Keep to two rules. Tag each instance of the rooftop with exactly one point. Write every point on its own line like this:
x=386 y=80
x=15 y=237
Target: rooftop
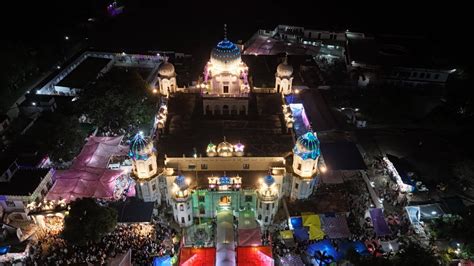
x=23 y=182
x=86 y=72
x=249 y=178
x=392 y=51
x=262 y=135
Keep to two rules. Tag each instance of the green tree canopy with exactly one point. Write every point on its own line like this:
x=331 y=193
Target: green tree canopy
x=58 y=135
x=118 y=100
x=415 y=255
x=88 y=221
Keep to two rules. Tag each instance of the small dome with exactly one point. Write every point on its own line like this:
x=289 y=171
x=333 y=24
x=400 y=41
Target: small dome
x=211 y=150
x=269 y=180
x=307 y=146
x=138 y=147
x=225 y=149
x=180 y=181
x=284 y=70
x=225 y=52
x=166 y=69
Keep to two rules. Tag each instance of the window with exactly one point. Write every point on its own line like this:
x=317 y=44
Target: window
x=296 y=185
x=203 y=166
x=422 y=75
x=181 y=207
x=150 y=167
x=273 y=205
x=428 y=75
x=189 y=217
x=226 y=88
x=182 y=220
x=248 y=198
x=260 y=217
x=299 y=167
x=191 y=166
x=414 y=74
x=188 y=206
x=201 y=198
x=260 y=204
x=176 y=206
x=267 y=206
x=202 y=210
x=10 y=203
x=153 y=187
x=246 y=166
x=266 y=219
x=436 y=76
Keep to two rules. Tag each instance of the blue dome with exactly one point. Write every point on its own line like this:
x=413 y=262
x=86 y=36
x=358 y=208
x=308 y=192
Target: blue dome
x=180 y=181
x=225 y=51
x=269 y=180
x=224 y=180
x=307 y=146
x=137 y=147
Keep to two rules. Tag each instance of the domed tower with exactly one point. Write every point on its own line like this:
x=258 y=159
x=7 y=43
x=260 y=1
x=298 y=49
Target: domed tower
x=267 y=200
x=284 y=78
x=211 y=150
x=225 y=149
x=144 y=167
x=181 y=201
x=305 y=165
x=167 y=78
x=239 y=149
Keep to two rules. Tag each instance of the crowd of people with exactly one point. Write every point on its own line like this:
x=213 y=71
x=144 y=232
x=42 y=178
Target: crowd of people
x=144 y=240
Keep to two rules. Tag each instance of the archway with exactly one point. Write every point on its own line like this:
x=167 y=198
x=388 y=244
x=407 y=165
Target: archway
x=225 y=110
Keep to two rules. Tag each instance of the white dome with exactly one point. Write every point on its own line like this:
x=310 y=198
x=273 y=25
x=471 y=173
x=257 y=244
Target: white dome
x=225 y=149
x=284 y=70
x=166 y=70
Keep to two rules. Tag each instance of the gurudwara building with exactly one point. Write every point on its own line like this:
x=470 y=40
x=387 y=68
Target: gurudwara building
x=225 y=177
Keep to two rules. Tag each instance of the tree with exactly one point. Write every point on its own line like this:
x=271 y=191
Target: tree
x=464 y=170
x=58 y=135
x=87 y=221
x=415 y=255
x=118 y=100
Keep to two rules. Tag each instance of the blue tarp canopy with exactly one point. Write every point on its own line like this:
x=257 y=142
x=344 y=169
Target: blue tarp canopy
x=301 y=233
x=380 y=225
x=4 y=250
x=296 y=222
x=162 y=261
x=323 y=247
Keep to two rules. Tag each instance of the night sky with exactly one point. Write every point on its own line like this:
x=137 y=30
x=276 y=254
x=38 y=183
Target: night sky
x=195 y=26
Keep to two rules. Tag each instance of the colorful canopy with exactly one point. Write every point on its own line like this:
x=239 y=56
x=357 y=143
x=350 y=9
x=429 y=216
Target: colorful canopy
x=286 y=234
x=380 y=225
x=197 y=257
x=325 y=248
x=313 y=223
x=255 y=256
x=89 y=176
x=162 y=261
x=336 y=227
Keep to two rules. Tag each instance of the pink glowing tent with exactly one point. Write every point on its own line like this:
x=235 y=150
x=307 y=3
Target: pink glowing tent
x=88 y=176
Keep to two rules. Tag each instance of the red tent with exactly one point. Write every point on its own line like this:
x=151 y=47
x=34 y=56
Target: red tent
x=255 y=256
x=197 y=256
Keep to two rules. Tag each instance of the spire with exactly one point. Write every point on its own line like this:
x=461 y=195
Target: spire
x=285 y=61
x=225 y=31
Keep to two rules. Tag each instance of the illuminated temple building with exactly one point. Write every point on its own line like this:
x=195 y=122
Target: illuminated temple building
x=244 y=161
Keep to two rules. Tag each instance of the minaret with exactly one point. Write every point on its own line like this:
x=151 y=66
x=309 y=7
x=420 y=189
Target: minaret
x=305 y=165
x=167 y=78
x=181 y=201
x=267 y=200
x=144 y=168
x=284 y=78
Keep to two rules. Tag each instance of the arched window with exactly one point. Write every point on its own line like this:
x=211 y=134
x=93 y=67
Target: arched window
x=225 y=110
